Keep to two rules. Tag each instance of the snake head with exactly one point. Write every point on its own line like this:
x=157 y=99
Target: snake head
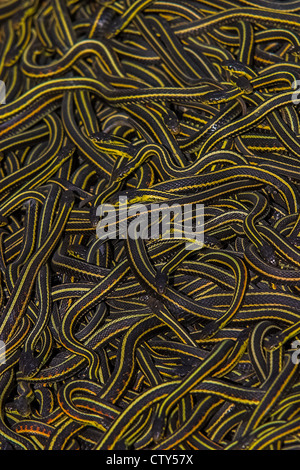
x=115 y=27
x=231 y=65
x=268 y=254
x=209 y=331
x=158 y=428
x=271 y=343
x=121 y=172
x=172 y=122
x=28 y=364
x=161 y=281
x=243 y=84
x=98 y=137
x=295 y=50
x=154 y=303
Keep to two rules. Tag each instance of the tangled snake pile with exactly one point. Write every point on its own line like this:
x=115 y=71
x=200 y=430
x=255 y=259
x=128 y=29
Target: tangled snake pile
x=139 y=343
